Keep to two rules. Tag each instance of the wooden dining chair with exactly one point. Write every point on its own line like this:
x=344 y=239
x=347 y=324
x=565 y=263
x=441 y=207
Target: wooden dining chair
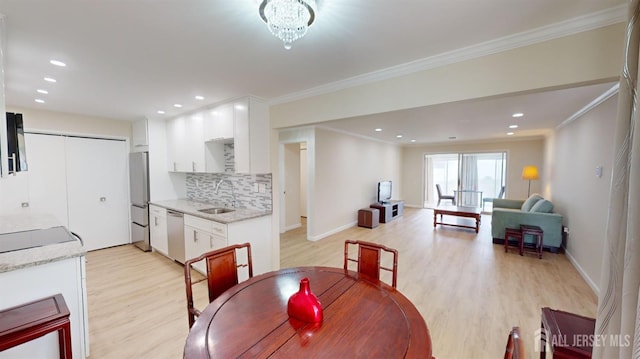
x=221 y=273
x=441 y=196
x=515 y=347
x=369 y=259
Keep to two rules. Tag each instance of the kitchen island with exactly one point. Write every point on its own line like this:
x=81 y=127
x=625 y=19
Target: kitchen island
x=39 y=259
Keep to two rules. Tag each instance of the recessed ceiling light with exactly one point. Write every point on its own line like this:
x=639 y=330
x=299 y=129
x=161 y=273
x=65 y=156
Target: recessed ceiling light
x=513 y=126
x=42 y=91
x=49 y=79
x=199 y=97
x=413 y=140
x=239 y=107
x=509 y=133
x=378 y=129
x=398 y=136
x=160 y=112
x=517 y=114
x=177 y=105
x=57 y=63
x=39 y=100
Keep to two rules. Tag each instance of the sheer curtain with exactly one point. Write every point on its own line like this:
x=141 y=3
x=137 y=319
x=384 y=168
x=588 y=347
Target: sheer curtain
x=618 y=319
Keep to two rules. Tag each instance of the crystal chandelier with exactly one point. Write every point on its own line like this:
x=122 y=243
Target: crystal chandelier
x=288 y=20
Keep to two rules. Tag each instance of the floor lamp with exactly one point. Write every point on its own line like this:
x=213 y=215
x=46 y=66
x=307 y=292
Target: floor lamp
x=529 y=173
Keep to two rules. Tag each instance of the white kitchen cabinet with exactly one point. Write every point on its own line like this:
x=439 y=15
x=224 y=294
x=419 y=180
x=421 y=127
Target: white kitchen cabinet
x=201 y=236
x=98 y=191
x=158 y=229
x=139 y=135
x=185 y=143
x=248 y=119
x=256 y=231
x=218 y=123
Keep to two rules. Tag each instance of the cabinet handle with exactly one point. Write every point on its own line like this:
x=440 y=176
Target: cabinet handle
x=174 y=166
x=195 y=235
x=155 y=221
x=211 y=241
x=193 y=166
x=103 y=199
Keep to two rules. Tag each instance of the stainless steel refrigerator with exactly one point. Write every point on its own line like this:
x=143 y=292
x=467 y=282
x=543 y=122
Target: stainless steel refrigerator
x=139 y=192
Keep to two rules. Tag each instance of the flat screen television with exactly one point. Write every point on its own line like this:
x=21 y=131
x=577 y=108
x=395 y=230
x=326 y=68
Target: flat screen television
x=384 y=191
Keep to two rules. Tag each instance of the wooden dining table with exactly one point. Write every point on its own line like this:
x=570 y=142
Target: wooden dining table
x=363 y=318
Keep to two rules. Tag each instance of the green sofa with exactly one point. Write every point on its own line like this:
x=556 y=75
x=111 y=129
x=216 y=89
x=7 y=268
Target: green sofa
x=535 y=211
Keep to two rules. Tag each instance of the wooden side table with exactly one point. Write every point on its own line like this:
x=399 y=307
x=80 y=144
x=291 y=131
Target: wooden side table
x=569 y=335
x=32 y=320
x=537 y=233
x=512 y=233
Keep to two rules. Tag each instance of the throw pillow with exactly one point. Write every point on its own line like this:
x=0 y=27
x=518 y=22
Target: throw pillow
x=542 y=206
x=526 y=206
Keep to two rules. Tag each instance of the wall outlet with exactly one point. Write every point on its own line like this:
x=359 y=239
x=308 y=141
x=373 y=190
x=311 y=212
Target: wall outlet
x=565 y=229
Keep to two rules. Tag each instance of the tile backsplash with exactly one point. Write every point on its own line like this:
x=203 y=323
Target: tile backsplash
x=202 y=187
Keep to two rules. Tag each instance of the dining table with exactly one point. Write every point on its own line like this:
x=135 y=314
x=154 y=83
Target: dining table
x=362 y=318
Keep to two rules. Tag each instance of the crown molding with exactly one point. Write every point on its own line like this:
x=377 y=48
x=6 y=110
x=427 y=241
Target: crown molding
x=591 y=105
x=568 y=27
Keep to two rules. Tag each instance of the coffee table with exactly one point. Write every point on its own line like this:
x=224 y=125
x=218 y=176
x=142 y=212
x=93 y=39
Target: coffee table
x=457 y=211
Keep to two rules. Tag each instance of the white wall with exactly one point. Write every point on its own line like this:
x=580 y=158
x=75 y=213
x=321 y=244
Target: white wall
x=347 y=170
x=575 y=151
x=519 y=153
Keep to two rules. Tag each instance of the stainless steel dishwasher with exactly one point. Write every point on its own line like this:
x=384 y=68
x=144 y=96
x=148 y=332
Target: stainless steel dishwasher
x=175 y=232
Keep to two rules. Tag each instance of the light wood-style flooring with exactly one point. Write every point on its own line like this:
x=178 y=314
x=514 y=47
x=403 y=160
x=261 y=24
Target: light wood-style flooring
x=469 y=291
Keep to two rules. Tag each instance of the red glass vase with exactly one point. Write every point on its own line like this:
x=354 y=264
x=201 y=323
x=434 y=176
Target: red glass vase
x=304 y=305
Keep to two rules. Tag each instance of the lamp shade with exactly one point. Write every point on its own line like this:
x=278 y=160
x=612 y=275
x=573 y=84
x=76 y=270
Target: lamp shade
x=530 y=173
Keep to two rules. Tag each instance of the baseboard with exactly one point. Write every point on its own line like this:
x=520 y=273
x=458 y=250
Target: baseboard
x=584 y=275
x=333 y=231
x=297 y=225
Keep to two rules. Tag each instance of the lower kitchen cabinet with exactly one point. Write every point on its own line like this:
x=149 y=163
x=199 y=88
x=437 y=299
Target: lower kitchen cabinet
x=158 y=229
x=202 y=235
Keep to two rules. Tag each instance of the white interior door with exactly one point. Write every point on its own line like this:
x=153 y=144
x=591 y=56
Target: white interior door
x=47 y=175
x=98 y=191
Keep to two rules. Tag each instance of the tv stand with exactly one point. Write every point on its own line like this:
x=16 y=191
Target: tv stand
x=389 y=210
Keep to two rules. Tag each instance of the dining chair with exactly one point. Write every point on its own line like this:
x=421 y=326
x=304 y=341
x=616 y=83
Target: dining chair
x=490 y=199
x=441 y=196
x=369 y=259
x=222 y=267
x=515 y=347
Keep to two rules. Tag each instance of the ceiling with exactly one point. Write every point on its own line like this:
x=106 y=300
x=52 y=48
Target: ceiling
x=127 y=59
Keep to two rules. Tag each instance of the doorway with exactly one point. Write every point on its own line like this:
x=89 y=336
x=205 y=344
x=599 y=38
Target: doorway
x=469 y=177
x=294 y=186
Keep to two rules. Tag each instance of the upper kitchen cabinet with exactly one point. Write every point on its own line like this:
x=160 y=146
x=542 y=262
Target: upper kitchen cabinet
x=139 y=135
x=237 y=137
x=185 y=143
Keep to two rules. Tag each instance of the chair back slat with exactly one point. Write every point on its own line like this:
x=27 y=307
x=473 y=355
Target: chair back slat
x=369 y=259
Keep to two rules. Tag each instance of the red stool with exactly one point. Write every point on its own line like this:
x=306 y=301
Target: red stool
x=29 y=321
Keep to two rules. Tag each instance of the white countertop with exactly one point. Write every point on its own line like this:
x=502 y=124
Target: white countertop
x=191 y=207
x=33 y=256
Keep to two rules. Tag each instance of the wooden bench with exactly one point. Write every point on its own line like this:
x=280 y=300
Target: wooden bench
x=29 y=321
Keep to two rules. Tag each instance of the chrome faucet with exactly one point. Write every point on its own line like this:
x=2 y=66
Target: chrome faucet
x=233 y=192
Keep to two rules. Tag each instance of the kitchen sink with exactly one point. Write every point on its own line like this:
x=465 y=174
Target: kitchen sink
x=216 y=210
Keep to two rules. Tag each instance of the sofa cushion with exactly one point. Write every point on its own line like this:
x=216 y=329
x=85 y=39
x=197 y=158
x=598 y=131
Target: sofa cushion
x=526 y=206
x=542 y=206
